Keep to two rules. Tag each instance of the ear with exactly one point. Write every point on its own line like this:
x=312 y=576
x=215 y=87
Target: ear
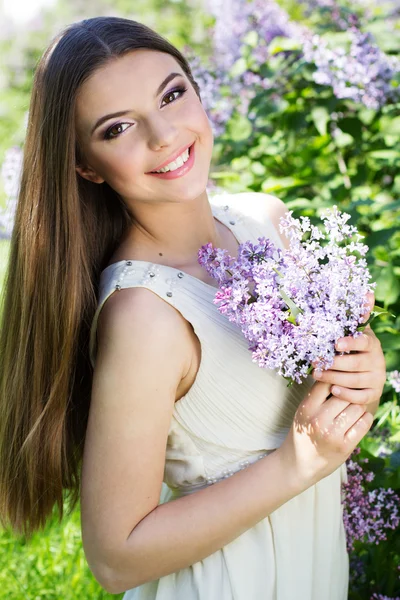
x=88 y=173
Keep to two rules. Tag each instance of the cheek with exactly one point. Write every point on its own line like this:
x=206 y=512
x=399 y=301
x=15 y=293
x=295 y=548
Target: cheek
x=123 y=161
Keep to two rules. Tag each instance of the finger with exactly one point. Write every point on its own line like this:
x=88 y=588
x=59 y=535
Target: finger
x=358 y=430
x=360 y=343
x=322 y=419
x=345 y=379
x=314 y=399
x=354 y=396
x=347 y=417
x=359 y=362
x=328 y=412
x=370 y=302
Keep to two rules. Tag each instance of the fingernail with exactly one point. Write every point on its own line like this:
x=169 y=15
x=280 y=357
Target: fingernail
x=335 y=391
x=341 y=346
x=317 y=374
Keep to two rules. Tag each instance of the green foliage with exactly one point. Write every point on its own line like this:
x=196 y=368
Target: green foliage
x=50 y=566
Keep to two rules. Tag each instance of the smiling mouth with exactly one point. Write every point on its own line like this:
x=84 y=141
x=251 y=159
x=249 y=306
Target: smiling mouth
x=160 y=172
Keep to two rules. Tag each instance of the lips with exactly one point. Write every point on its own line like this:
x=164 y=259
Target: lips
x=171 y=158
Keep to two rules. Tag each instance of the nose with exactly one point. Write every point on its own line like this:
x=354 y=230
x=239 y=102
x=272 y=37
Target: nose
x=162 y=132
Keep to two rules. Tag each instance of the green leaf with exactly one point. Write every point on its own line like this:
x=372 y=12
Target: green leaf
x=395 y=437
x=295 y=310
x=343 y=139
x=391 y=156
x=239 y=67
x=258 y=168
x=390 y=126
x=274 y=183
x=320 y=117
x=251 y=39
x=299 y=204
x=387 y=286
x=392 y=359
x=239 y=128
x=376 y=312
x=389 y=341
x=224 y=174
x=381 y=237
x=281 y=44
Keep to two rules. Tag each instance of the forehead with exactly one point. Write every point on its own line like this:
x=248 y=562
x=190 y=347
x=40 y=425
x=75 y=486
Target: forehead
x=137 y=74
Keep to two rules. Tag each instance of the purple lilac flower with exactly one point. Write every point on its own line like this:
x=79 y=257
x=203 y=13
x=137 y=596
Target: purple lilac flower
x=394 y=379
x=364 y=74
x=293 y=304
x=357 y=571
x=381 y=597
x=367 y=515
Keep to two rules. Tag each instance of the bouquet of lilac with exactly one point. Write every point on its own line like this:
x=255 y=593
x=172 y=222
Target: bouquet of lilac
x=293 y=304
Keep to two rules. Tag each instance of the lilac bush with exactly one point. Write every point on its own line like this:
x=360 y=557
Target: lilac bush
x=367 y=515
x=293 y=304
x=363 y=74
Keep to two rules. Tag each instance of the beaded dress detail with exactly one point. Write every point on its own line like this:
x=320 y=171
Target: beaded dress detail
x=234 y=414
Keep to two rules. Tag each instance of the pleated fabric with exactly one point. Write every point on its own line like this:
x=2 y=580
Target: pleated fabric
x=234 y=414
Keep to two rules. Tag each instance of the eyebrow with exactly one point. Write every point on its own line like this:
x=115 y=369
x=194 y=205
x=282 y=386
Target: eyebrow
x=122 y=113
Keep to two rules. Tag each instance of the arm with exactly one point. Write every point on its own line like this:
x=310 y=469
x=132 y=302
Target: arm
x=128 y=539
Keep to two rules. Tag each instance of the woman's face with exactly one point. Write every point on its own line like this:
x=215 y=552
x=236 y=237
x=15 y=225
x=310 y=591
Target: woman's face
x=127 y=126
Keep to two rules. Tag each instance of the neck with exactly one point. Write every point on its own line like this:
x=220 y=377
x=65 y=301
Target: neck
x=172 y=232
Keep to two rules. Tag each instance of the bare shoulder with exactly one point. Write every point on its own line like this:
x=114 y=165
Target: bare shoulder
x=139 y=311
x=272 y=208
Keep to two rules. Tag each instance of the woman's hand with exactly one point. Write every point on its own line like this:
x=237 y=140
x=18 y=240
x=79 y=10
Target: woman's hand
x=324 y=432
x=357 y=378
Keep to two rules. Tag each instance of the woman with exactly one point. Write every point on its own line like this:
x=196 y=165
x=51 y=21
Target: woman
x=112 y=211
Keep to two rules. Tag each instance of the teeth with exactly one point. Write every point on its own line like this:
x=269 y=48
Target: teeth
x=178 y=162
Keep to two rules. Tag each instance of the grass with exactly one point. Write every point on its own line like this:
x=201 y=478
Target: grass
x=51 y=566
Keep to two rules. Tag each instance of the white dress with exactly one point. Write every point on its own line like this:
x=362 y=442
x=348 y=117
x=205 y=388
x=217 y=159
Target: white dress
x=237 y=412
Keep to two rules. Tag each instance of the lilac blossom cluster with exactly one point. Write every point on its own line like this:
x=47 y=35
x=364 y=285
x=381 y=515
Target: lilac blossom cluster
x=364 y=74
x=293 y=304
x=235 y=19
x=394 y=380
x=367 y=515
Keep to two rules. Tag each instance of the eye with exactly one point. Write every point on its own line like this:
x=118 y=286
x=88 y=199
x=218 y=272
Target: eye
x=115 y=130
x=180 y=91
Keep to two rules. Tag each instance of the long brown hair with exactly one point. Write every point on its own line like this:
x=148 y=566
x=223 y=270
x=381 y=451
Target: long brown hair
x=66 y=229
